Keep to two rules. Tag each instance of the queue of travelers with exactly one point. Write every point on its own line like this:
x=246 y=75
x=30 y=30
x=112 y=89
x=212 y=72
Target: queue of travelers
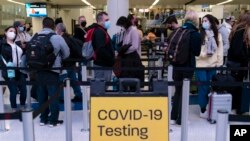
x=208 y=44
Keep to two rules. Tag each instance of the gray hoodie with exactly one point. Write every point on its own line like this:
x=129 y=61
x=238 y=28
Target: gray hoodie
x=60 y=47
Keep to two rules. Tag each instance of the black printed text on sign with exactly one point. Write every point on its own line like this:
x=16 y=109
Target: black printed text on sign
x=129 y=119
x=239 y=132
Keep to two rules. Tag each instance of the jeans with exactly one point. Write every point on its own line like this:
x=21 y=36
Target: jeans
x=46 y=91
x=14 y=88
x=203 y=90
x=103 y=74
x=71 y=74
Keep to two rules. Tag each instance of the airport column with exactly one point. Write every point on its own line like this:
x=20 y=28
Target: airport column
x=116 y=8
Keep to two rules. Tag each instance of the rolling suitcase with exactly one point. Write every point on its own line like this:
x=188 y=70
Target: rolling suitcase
x=216 y=102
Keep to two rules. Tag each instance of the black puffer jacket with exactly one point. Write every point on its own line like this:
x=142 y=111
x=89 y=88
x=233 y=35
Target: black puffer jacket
x=5 y=52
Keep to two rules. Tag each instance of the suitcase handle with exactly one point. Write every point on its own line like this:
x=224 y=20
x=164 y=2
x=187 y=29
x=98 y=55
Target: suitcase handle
x=126 y=83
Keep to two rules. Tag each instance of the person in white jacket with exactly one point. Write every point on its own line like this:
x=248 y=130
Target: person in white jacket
x=211 y=56
x=225 y=30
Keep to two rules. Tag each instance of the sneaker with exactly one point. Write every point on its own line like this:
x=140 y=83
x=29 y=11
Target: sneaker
x=54 y=124
x=172 y=122
x=204 y=115
x=22 y=107
x=43 y=123
x=77 y=99
x=14 y=110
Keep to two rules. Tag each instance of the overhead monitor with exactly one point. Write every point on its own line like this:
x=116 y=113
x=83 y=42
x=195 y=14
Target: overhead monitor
x=36 y=9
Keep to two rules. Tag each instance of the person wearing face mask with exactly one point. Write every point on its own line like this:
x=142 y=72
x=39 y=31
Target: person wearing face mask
x=171 y=23
x=22 y=36
x=11 y=57
x=211 y=56
x=134 y=20
x=130 y=50
x=28 y=27
x=225 y=29
x=81 y=30
x=61 y=30
x=102 y=45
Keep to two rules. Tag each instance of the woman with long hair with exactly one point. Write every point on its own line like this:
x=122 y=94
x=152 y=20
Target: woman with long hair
x=239 y=54
x=211 y=56
x=11 y=57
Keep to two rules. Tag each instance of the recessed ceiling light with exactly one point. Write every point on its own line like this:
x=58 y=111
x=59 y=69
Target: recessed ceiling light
x=224 y=2
x=16 y=2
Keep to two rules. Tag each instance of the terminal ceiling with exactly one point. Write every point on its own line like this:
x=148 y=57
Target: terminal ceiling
x=133 y=3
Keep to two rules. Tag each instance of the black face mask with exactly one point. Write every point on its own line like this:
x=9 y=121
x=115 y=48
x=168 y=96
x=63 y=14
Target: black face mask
x=83 y=23
x=171 y=28
x=28 y=29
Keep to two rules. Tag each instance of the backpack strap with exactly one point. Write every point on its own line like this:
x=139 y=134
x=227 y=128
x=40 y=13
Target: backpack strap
x=174 y=36
x=177 y=46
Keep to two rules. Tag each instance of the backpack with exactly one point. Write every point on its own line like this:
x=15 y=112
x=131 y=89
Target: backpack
x=40 y=52
x=75 y=48
x=178 y=51
x=88 y=51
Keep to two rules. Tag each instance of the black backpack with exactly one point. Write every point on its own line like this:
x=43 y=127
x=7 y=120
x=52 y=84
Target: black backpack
x=40 y=52
x=75 y=48
x=178 y=51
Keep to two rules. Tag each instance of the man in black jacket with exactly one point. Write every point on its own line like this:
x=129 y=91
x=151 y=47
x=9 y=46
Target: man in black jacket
x=102 y=45
x=61 y=30
x=80 y=31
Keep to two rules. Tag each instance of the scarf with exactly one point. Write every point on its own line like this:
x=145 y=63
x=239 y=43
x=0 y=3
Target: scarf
x=210 y=43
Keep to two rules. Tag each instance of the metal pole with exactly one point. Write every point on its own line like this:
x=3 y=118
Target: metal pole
x=222 y=125
x=170 y=91
x=28 y=126
x=67 y=108
x=85 y=101
x=2 y=122
x=185 y=109
x=28 y=100
x=160 y=64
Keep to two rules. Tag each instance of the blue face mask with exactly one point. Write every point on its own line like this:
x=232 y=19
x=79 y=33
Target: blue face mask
x=107 y=24
x=206 y=25
x=21 y=29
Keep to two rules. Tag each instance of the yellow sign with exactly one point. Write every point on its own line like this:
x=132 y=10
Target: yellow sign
x=129 y=119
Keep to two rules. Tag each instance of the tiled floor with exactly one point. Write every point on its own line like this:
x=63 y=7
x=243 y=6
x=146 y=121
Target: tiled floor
x=199 y=129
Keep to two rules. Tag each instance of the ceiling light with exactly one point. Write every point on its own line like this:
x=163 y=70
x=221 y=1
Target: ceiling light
x=87 y=3
x=16 y=2
x=227 y=1
x=155 y=2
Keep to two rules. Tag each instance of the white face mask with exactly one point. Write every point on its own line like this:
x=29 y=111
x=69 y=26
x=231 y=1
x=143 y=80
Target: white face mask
x=11 y=35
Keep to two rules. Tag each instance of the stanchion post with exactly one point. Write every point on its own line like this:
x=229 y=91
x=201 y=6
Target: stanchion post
x=2 y=122
x=85 y=101
x=67 y=108
x=160 y=64
x=185 y=109
x=28 y=126
x=170 y=90
x=222 y=125
x=28 y=100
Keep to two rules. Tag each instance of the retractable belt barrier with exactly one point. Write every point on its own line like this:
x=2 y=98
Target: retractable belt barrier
x=17 y=115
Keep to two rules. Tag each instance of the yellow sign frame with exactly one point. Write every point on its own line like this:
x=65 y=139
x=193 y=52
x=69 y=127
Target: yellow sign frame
x=129 y=118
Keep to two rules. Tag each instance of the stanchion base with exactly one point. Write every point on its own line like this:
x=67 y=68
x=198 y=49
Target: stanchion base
x=84 y=130
x=4 y=130
x=170 y=130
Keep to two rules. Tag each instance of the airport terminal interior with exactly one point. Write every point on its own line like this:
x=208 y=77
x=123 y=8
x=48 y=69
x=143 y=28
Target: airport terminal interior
x=151 y=16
